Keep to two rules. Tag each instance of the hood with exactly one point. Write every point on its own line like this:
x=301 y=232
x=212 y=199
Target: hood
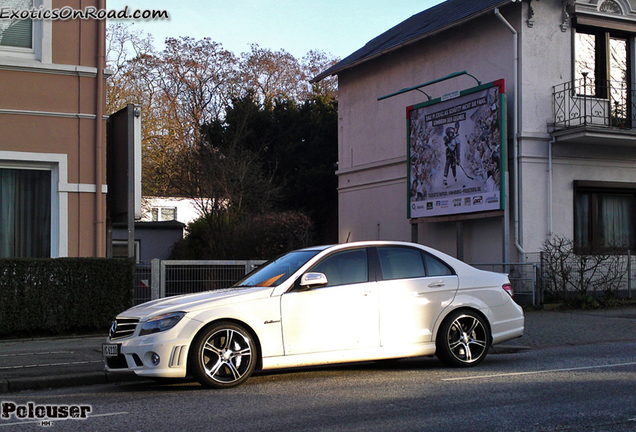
x=198 y=301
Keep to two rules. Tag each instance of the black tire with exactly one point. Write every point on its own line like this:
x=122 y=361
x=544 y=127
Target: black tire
x=463 y=339
x=223 y=356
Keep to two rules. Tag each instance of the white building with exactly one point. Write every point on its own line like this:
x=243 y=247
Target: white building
x=161 y=209
x=568 y=151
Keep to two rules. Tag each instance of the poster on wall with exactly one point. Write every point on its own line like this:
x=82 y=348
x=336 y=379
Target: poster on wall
x=455 y=153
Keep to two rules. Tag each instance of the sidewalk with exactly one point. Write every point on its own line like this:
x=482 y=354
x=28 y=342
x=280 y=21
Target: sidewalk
x=29 y=364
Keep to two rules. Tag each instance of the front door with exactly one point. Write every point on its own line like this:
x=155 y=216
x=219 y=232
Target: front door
x=340 y=316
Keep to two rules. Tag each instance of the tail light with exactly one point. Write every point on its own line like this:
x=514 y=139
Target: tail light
x=508 y=288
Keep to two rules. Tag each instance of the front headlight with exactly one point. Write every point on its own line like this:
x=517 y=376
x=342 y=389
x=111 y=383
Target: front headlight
x=161 y=323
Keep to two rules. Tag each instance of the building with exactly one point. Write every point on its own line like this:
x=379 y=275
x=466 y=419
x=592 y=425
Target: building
x=565 y=165
x=153 y=240
x=161 y=227
x=157 y=209
x=52 y=118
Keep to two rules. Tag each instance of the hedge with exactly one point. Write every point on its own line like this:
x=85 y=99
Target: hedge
x=63 y=295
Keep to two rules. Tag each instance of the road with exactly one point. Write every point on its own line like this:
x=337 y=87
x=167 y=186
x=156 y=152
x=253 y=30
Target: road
x=589 y=388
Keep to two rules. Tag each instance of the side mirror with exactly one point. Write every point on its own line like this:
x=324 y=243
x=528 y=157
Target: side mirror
x=312 y=280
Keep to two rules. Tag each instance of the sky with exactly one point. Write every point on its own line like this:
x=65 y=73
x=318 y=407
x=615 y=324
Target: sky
x=336 y=27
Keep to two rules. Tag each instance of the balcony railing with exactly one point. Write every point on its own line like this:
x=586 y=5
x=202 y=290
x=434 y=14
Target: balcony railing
x=608 y=104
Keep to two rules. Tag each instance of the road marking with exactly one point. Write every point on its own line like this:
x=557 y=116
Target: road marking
x=2 y=424
x=37 y=353
x=50 y=364
x=538 y=372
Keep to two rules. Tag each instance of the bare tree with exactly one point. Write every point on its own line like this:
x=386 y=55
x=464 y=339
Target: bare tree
x=274 y=75
x=313 y=64
x=270 y=74
x=189 y=84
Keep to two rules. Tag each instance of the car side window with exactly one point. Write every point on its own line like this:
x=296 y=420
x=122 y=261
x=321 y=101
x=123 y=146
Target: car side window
x=435 y=267
x=401 y=263
x=346 y=267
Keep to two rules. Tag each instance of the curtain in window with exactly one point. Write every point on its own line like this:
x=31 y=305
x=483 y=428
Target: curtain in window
x=616 y=221
x=25 y=213
x=582 y=230
x=18 y=33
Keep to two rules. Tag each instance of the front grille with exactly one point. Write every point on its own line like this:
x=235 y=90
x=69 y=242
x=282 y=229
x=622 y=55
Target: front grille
x=123 y=327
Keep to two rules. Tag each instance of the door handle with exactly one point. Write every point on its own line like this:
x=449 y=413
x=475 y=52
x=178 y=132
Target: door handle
x=436 y=284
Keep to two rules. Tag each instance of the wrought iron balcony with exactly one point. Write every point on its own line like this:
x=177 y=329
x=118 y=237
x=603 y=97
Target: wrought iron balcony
x=585 y=104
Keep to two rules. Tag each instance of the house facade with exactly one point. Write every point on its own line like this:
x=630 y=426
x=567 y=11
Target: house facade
x=52 y=149
x=560 y=148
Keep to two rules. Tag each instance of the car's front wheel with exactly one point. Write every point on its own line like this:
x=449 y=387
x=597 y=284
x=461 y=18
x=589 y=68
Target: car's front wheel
x=463 y=339
x=223 y=356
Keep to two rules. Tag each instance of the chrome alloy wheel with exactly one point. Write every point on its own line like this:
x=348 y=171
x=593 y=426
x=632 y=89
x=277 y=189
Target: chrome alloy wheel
x=463 y=339
x=467 y=339
x=223 y=356
x=227 y=356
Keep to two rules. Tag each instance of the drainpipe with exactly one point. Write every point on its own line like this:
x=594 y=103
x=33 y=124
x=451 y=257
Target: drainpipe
x=550 y=208
x=99 y=133
x=515 y=131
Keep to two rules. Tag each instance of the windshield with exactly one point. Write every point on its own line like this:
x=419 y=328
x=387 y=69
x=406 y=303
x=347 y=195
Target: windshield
x=277 y=271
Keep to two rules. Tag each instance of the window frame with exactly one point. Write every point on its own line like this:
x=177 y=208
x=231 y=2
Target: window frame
x=160 y=214
x=596 y=190
x=58 y=165
x=51 y=198
x=41 y=41
x=370 y=267
x=374 y=258
x=602 y=57
x=381 y=271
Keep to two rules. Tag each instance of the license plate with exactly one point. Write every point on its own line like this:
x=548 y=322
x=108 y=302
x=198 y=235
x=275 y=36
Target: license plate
x=110 y=350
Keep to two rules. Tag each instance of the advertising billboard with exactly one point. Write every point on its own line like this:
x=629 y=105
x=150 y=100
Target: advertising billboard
x=456 y=147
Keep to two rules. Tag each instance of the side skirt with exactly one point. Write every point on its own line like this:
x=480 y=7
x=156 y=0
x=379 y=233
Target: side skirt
x=334 y=357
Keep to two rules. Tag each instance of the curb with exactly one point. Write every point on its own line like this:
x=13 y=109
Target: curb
x=73 y=380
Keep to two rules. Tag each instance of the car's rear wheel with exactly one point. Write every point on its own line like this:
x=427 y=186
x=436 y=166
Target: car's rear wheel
x=463 y=339
x=223 y=356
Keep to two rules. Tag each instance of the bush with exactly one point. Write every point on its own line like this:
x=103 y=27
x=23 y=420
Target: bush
x=55 y=296
x=255 y=237
x=580 y=278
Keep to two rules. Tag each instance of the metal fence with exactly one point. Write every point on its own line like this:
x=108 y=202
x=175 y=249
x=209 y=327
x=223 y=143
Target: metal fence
x=163 y=278
x=531 y=281
x=524 y=279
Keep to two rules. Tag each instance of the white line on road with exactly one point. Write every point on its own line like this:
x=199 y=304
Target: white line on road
x=51 y=364
x=36 y=353
x=538 y=372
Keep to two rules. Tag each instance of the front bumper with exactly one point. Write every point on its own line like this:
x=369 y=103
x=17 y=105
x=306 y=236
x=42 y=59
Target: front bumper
x=159 y=355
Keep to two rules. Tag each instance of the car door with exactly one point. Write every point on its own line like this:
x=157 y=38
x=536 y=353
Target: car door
x=414 y=288
x=342 y=315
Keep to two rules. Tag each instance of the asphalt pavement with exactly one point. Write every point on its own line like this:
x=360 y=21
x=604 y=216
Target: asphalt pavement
x=38 y=363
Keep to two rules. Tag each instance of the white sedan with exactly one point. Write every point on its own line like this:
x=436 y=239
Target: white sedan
x=321 y=305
